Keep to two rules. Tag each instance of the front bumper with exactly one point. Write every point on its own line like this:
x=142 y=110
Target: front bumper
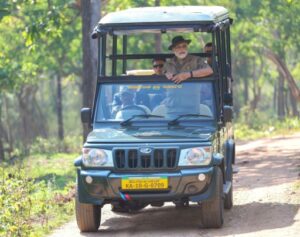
x=106 y=186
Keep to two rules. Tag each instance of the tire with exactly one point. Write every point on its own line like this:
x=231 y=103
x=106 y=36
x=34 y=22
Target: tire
x=213 y=210
x=228 y=201
x=88 y=216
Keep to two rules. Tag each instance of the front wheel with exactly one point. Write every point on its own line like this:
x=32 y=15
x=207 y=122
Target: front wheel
x=88 y=216
x=228 y=202
x=212 y=210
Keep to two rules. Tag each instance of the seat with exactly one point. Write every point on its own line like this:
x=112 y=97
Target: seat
x=145 y=108
x=126 y=114
x=205 y=110
x=161 y=110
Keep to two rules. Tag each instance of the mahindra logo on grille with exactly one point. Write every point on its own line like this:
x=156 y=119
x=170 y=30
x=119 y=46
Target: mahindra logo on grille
x=146 y=150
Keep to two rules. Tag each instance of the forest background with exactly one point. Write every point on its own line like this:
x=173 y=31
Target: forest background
x=43 y=83
x=46 y=77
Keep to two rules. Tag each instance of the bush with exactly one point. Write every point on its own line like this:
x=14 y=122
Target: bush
x=53 y=145
x=257 y=128
x=15 y=203
x=29 y=207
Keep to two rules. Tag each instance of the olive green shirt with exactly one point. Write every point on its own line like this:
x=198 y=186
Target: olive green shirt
x=187 y=99
x=189 y=63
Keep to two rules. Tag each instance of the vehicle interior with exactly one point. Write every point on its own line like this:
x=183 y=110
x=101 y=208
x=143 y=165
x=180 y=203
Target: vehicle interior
x=145 y=95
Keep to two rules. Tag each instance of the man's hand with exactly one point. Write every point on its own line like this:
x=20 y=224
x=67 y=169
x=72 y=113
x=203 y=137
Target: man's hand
x=180 y=77
x=169 y=75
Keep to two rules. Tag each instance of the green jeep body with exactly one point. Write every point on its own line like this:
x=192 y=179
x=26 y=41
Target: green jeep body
x=145 y=155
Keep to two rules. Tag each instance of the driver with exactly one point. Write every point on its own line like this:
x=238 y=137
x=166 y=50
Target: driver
x=127 y=108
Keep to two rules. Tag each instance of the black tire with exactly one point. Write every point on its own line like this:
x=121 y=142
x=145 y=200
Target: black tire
x=88 y=216
x=228 y=201
x=213 y=210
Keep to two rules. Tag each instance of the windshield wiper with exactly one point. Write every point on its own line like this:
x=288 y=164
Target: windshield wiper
x=175 y=121
x=128 y=121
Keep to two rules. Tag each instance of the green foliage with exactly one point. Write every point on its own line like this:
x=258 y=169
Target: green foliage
x=15 y=203
x=36 y=195
x=40 y=41
x=53 y=145
x=258 y=128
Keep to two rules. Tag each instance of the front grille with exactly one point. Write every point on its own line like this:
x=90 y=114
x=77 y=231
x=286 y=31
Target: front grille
x=164 y=158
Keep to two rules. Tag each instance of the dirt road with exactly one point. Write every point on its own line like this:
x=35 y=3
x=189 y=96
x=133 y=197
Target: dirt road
x=266 y=200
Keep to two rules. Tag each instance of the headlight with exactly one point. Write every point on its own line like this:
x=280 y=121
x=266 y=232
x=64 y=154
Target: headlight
x=195 y=156
x=97 y=157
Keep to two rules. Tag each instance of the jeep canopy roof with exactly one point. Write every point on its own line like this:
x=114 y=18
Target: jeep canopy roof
x=154 y=19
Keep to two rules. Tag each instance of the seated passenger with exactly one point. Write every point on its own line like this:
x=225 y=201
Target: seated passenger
x=158 y=64
x=208 y=49
x=152 y=97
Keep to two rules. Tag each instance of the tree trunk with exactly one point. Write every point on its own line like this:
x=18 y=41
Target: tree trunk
x=32 y=122
x=282 y=68
x=246 y=90
x=295 y=111
x=280 y=98
x=9 y=134
x=256 y=87
x=59 y=110
x=275 y=97
x=2 y=154
x=90 y=11
x=286 y=103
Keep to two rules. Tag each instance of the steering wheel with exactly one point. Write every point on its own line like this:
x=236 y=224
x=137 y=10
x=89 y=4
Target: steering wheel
x=134 y=107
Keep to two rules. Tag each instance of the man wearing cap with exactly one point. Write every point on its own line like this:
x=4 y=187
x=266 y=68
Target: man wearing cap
x=183 y=65
x=178 y=69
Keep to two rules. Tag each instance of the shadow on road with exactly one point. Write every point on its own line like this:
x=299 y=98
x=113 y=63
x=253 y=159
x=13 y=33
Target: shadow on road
x=171 y=221
x=265 y=166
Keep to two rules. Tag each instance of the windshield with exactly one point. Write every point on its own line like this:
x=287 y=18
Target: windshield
x=166 y=101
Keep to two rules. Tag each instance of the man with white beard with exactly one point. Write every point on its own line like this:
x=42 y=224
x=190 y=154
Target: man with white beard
x=178 y=69
x=183 y=65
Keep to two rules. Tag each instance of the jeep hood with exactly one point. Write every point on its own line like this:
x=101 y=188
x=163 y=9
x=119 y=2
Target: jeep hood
x=150 y=134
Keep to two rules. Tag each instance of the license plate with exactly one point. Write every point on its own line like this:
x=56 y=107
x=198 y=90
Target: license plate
x=144 y=183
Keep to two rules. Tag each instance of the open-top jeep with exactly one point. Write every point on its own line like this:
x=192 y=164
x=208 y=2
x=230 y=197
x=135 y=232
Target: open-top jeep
x=140 y=154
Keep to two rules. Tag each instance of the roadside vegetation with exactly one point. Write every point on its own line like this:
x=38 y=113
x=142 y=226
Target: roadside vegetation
x=259 y=129
x=36 y=192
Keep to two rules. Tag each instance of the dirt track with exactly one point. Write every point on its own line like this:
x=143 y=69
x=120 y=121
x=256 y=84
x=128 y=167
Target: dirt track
x=266 y=200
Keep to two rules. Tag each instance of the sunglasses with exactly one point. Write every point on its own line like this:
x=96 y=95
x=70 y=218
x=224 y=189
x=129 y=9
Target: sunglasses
x=158 y=65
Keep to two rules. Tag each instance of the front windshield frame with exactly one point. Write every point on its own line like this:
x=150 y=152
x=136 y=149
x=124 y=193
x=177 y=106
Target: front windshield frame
x=138 y=80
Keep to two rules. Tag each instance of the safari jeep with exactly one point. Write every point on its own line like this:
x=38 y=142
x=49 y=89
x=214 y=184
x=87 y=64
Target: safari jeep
x=140 y=154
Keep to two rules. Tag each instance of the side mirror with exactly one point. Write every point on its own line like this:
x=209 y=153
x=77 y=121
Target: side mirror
x=228 y=113
x=228 y=99
x=86 y=114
